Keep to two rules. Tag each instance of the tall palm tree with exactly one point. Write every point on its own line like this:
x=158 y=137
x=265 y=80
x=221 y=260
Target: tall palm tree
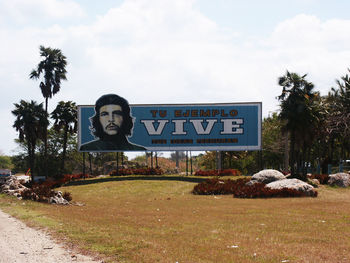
x=65 y=116
x=31 y=122
x=52 y=69
x=299 y=115
x=338 y=102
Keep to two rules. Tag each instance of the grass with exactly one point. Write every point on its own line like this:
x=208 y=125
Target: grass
x=157 y=219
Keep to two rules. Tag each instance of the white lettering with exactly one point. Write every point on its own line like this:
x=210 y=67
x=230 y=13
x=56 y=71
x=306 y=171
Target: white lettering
x=197 y=124
x=150 y=126
x=179 y=127
x=232 y=126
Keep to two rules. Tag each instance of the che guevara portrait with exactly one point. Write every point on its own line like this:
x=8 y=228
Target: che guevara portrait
x=111 y=126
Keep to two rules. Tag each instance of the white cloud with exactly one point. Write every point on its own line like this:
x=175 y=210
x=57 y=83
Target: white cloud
x=24 y=11
x=168 y=52
x=305 y=44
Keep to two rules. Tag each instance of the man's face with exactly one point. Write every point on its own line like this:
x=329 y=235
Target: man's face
x=111 y=118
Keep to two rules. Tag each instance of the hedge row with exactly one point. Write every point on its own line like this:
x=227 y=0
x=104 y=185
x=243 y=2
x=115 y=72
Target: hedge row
x=225 y=172
x=137 y=171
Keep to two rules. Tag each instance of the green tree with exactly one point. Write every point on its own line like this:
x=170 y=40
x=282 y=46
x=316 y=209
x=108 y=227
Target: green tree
x=336 y=130
x=273 y=142
x=31 y=122
x=65 y=116
x=52 y=69
x=299 y=116
x=5 y=162
x=343 y=118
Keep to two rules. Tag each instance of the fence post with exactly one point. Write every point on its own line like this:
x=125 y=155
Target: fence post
x=329 y=169
x=318 y=169
x=340 y=166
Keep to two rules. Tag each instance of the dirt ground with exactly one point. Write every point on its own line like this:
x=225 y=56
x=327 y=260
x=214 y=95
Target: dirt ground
x=22 y=244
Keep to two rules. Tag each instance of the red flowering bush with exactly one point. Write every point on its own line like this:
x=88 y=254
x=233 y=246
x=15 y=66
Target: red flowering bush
x=137 y=171
x=322 y=178
x=38 y=192
x=67 y=196
x=259 y=190
x=239 y=189
x=225 y=172
x=216 y=186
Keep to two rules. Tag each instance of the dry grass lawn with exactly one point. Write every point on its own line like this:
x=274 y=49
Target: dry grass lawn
x=138 y=219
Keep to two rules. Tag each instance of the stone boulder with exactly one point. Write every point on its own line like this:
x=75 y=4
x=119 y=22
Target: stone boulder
x=339 y=179
x=314 y=182
x=266 y=176
x=10 y=185
x=294 y=184
x=58 y=199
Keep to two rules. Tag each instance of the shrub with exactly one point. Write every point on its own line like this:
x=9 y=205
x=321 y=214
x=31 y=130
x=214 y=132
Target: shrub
x=239 y=189
x=137 y=171
x=225 y=172
x=216 y=186
x=38 y=192
x=67 y=196
x=28 y=194
x=322 y=178
x=258 y=190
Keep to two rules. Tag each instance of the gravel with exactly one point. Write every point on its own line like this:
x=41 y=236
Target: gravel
x=22 y=244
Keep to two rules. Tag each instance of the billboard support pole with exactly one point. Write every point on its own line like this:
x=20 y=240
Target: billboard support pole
x=117 y=163
x=156 y=155
x=186 y=163
x=218 y=160
x=152 y=160
x=191 y=162
x=84 y=163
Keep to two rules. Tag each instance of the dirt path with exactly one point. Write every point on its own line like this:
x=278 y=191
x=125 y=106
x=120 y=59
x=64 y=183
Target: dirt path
x=22 y=244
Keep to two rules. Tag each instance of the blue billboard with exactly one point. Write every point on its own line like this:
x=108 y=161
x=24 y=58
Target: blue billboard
x=112 y=125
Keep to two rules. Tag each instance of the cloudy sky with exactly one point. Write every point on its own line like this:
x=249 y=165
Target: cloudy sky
x=166 y=51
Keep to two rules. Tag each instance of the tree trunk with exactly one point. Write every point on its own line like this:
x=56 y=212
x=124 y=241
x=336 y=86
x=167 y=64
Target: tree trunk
x=304 y=163
x=292 y=153
x=65 y=138
x=90 y=163
x=45 y=141
x=286 y=152
x=30 y=160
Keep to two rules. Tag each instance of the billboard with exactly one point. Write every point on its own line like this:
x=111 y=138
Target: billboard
x=112 y=125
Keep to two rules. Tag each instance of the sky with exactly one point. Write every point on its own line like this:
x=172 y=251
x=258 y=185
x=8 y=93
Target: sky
x=166 y=51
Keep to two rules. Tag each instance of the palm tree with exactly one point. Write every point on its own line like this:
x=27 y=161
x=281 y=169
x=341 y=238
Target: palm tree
x=31 y=122
x=299 y=115
x=53 y=69
x=65 y=116
x=338 y=119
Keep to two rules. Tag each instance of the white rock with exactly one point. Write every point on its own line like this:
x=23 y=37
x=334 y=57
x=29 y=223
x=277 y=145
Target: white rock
x=58 y=200
x=339 y=179
x=267 y=176
x=295 y=184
